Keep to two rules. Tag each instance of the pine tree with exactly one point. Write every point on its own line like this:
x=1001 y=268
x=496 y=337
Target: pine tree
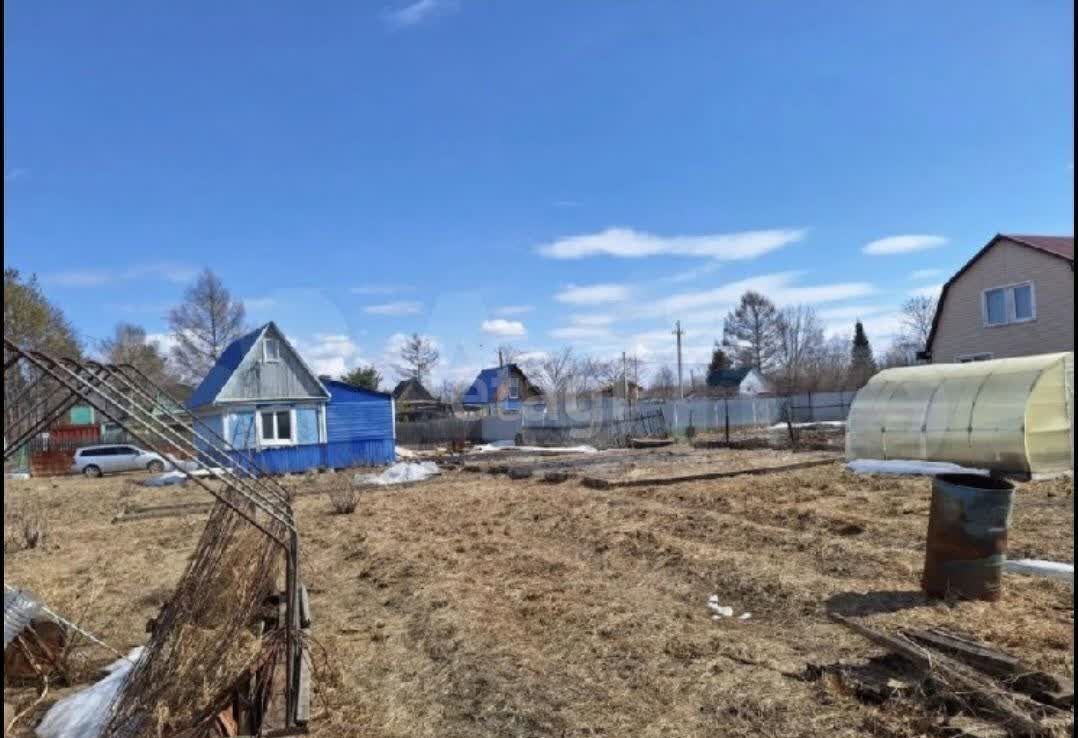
x=719 y=362
x=862 y=362
x=753 y=330
x=363 y=376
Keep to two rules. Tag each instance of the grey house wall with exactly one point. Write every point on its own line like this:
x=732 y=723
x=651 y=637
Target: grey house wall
x=256 y=379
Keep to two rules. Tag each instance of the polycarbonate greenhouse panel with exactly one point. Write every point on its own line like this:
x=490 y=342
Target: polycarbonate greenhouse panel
x=1008 y=415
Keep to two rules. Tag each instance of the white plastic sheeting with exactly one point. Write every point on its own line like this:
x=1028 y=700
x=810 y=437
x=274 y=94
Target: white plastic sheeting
x=905 y=466
x=1040 y=568
x=1007 y=415
x=85 y=713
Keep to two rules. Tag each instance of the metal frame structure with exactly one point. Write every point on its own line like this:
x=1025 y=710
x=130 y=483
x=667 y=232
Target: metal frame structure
x=48 y=387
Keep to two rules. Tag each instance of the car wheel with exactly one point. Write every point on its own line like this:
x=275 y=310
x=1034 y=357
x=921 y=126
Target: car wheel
x=155 y=466
x=92 y=471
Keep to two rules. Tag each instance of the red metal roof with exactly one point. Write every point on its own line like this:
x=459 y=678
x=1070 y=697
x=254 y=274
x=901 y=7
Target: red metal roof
x=1058 y=245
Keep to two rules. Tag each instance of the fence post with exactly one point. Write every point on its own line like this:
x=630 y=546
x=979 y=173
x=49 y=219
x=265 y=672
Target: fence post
x=726 y=414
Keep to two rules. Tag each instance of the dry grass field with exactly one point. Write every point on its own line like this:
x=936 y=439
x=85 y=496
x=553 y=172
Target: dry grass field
x=472 y=605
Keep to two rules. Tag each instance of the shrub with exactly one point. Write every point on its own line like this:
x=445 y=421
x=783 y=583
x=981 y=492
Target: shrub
x=25 y=527
x=344 y=500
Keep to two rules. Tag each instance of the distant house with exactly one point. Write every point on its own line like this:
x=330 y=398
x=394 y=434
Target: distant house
x=414 y=402
x=618 y=389
x=265 y=401
x=501 y=389
x=1015 y=297
x=729 y=382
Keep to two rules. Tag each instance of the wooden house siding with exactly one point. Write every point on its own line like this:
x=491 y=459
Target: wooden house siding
x=257 y=379
x=961 y=329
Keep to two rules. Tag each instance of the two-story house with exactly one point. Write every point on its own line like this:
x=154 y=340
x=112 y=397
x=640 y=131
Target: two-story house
x=1015 y=297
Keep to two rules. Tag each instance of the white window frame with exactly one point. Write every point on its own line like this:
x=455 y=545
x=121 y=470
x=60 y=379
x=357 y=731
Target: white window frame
x=265 y=351
x=515 y=387
x=979 y=356
x=1009 y=316
x=275 y=441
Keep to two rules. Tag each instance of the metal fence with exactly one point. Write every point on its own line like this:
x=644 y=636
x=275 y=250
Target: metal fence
x=602 y=433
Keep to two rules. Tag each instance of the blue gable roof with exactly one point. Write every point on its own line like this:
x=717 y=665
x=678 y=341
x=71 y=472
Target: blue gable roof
x=484 y=390
x=229 y=361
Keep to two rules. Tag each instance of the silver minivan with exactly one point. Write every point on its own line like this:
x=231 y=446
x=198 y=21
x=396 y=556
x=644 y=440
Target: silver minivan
x=93 y=461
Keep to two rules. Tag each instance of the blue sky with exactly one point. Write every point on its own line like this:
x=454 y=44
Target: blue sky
x=535 y=173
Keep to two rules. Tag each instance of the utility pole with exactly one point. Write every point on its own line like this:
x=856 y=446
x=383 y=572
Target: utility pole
x=680 y=388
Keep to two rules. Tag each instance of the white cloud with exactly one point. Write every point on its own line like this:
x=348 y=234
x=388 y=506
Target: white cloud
x=168 y=271
x=514 y=309
x=691 y=274
x=577 y=332
x=377 y=289
x=417 y=12
x=165 y=341
x=256 y=304
x=595 y=294
x=922 y=274
x=592 y=319
x=630 y=244
x=903 y=244
x=851 y=312
x=880 y=328
x=507 y=328
x=403 y=307
x=779 y=287
x=332 y=354
x=932 y=290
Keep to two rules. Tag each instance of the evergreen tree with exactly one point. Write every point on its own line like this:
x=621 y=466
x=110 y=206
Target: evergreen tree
x=719 y=362
x=363 y=376
x=753 y=330
x=862 y=362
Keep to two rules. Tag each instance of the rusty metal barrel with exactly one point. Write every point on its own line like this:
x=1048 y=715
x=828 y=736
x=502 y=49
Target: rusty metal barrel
x=967 y=536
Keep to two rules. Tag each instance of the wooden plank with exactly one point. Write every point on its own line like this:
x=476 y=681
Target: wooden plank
x=952 y=677
x=304 y=607
x=164 y=511
x=303 y=697
x=602 y=483
x=1047 y=688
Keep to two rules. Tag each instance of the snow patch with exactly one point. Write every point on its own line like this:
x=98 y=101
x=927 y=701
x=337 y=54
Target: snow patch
x=405 y=453
x=400 y=473
x=85 y=713
x=904 y=466
x=179 y=477
x=816 y=424
x=502 y=445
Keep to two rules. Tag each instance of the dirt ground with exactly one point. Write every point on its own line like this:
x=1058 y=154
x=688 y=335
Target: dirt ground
x=473 y=605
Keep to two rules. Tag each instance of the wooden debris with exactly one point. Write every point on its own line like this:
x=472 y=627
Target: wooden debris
x=1050 y=689
x=649 y=442
x=603 y=483
x=1017 y=713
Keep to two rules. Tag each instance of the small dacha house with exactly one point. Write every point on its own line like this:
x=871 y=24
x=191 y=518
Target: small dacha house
x=264 y=400
x=745 y=381
x=501 y=389
x=1015 y=297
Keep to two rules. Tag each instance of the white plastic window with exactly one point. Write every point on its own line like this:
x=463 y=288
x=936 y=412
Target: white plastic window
x=276 y=427
x=1010 y=304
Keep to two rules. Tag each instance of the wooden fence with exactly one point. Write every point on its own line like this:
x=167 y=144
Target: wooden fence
x=440 y=432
